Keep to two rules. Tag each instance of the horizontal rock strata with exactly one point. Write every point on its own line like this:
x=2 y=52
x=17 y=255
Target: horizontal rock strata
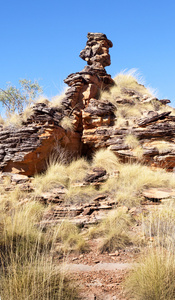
x=26 y=149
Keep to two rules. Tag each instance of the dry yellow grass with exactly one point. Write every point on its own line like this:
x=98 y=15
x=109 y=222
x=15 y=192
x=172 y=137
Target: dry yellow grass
x=69 y=237
x=132 y=141
x=66 y=123
x=159 y=226
x=126 y=80
x=56 y=101
x=77 y=170
x=38 y=279
x=42 y=99
x=1 y=120
x=55 y=175
x=133 y=178
x=152 y=277
x=28 y=112
x=138 y=152
x=106 y=159
x=114 y=230
x=79 y=194
x=163 y=146
x=13 y=120
x=27 y=268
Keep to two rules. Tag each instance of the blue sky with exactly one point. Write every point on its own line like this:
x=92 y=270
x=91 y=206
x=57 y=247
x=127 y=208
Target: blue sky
x=42 y=40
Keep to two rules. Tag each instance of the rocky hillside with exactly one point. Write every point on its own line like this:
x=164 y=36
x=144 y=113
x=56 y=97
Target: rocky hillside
x=95 y=112
x=78 y=197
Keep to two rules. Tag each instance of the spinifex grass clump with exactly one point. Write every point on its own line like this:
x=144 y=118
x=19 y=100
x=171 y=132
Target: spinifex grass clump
x=126 y=81
x=55 y=175
x=27 y=269
x=38 y=279
x=160 y=227
x=114 y=230
x=19 y=234
x=67 y=123
x=132 y=179
x=77 y=170
x=131 y=141
x=69 y=237
x=106 y=159
x=153 y=277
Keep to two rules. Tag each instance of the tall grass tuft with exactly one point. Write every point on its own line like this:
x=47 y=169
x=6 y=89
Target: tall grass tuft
x=115 y=231
x=152 y=278
x=106 y=159
x=77 y=170
x=55 y=175
x=160 y=226
x=132 y=179
x=70 y=239
x=27 y=269
x=127 y=80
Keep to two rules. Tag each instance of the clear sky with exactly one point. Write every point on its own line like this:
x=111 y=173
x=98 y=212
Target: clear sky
x=42 y=39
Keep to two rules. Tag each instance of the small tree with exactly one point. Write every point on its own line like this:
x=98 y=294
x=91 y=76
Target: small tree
x=16 y=99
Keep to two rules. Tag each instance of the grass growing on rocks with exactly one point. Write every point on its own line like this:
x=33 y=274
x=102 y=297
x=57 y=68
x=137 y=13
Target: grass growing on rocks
x=77 y=170
x=125 y=182
x=126 y=81
x=114 y=230
x=106 y=159
x=132 y=141
x=66 y=123
x=78 y=194
x=70 y=239
x=132 y=179
x=55 y=175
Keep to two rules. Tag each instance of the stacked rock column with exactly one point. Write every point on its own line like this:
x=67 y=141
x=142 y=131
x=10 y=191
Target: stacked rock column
x=86 y=84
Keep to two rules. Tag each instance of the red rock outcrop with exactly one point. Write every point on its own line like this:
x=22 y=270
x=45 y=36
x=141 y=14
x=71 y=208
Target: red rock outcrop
x=87 y=84
x=26 y=149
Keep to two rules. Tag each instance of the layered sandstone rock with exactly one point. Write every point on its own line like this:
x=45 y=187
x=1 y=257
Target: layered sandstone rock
x=88 y=83
x=155 y=136
x=26 y=149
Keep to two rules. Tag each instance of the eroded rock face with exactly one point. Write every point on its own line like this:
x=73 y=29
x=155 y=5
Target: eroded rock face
x=96 y=52
x=86 y=84
x=155 y=136
x=26 y=149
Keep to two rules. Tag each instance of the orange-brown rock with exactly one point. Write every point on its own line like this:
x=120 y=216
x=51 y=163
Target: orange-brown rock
x=26 y=149
x=86 y=84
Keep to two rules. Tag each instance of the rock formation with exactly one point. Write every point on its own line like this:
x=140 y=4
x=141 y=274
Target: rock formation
x=26 y=149
x=86 y=85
